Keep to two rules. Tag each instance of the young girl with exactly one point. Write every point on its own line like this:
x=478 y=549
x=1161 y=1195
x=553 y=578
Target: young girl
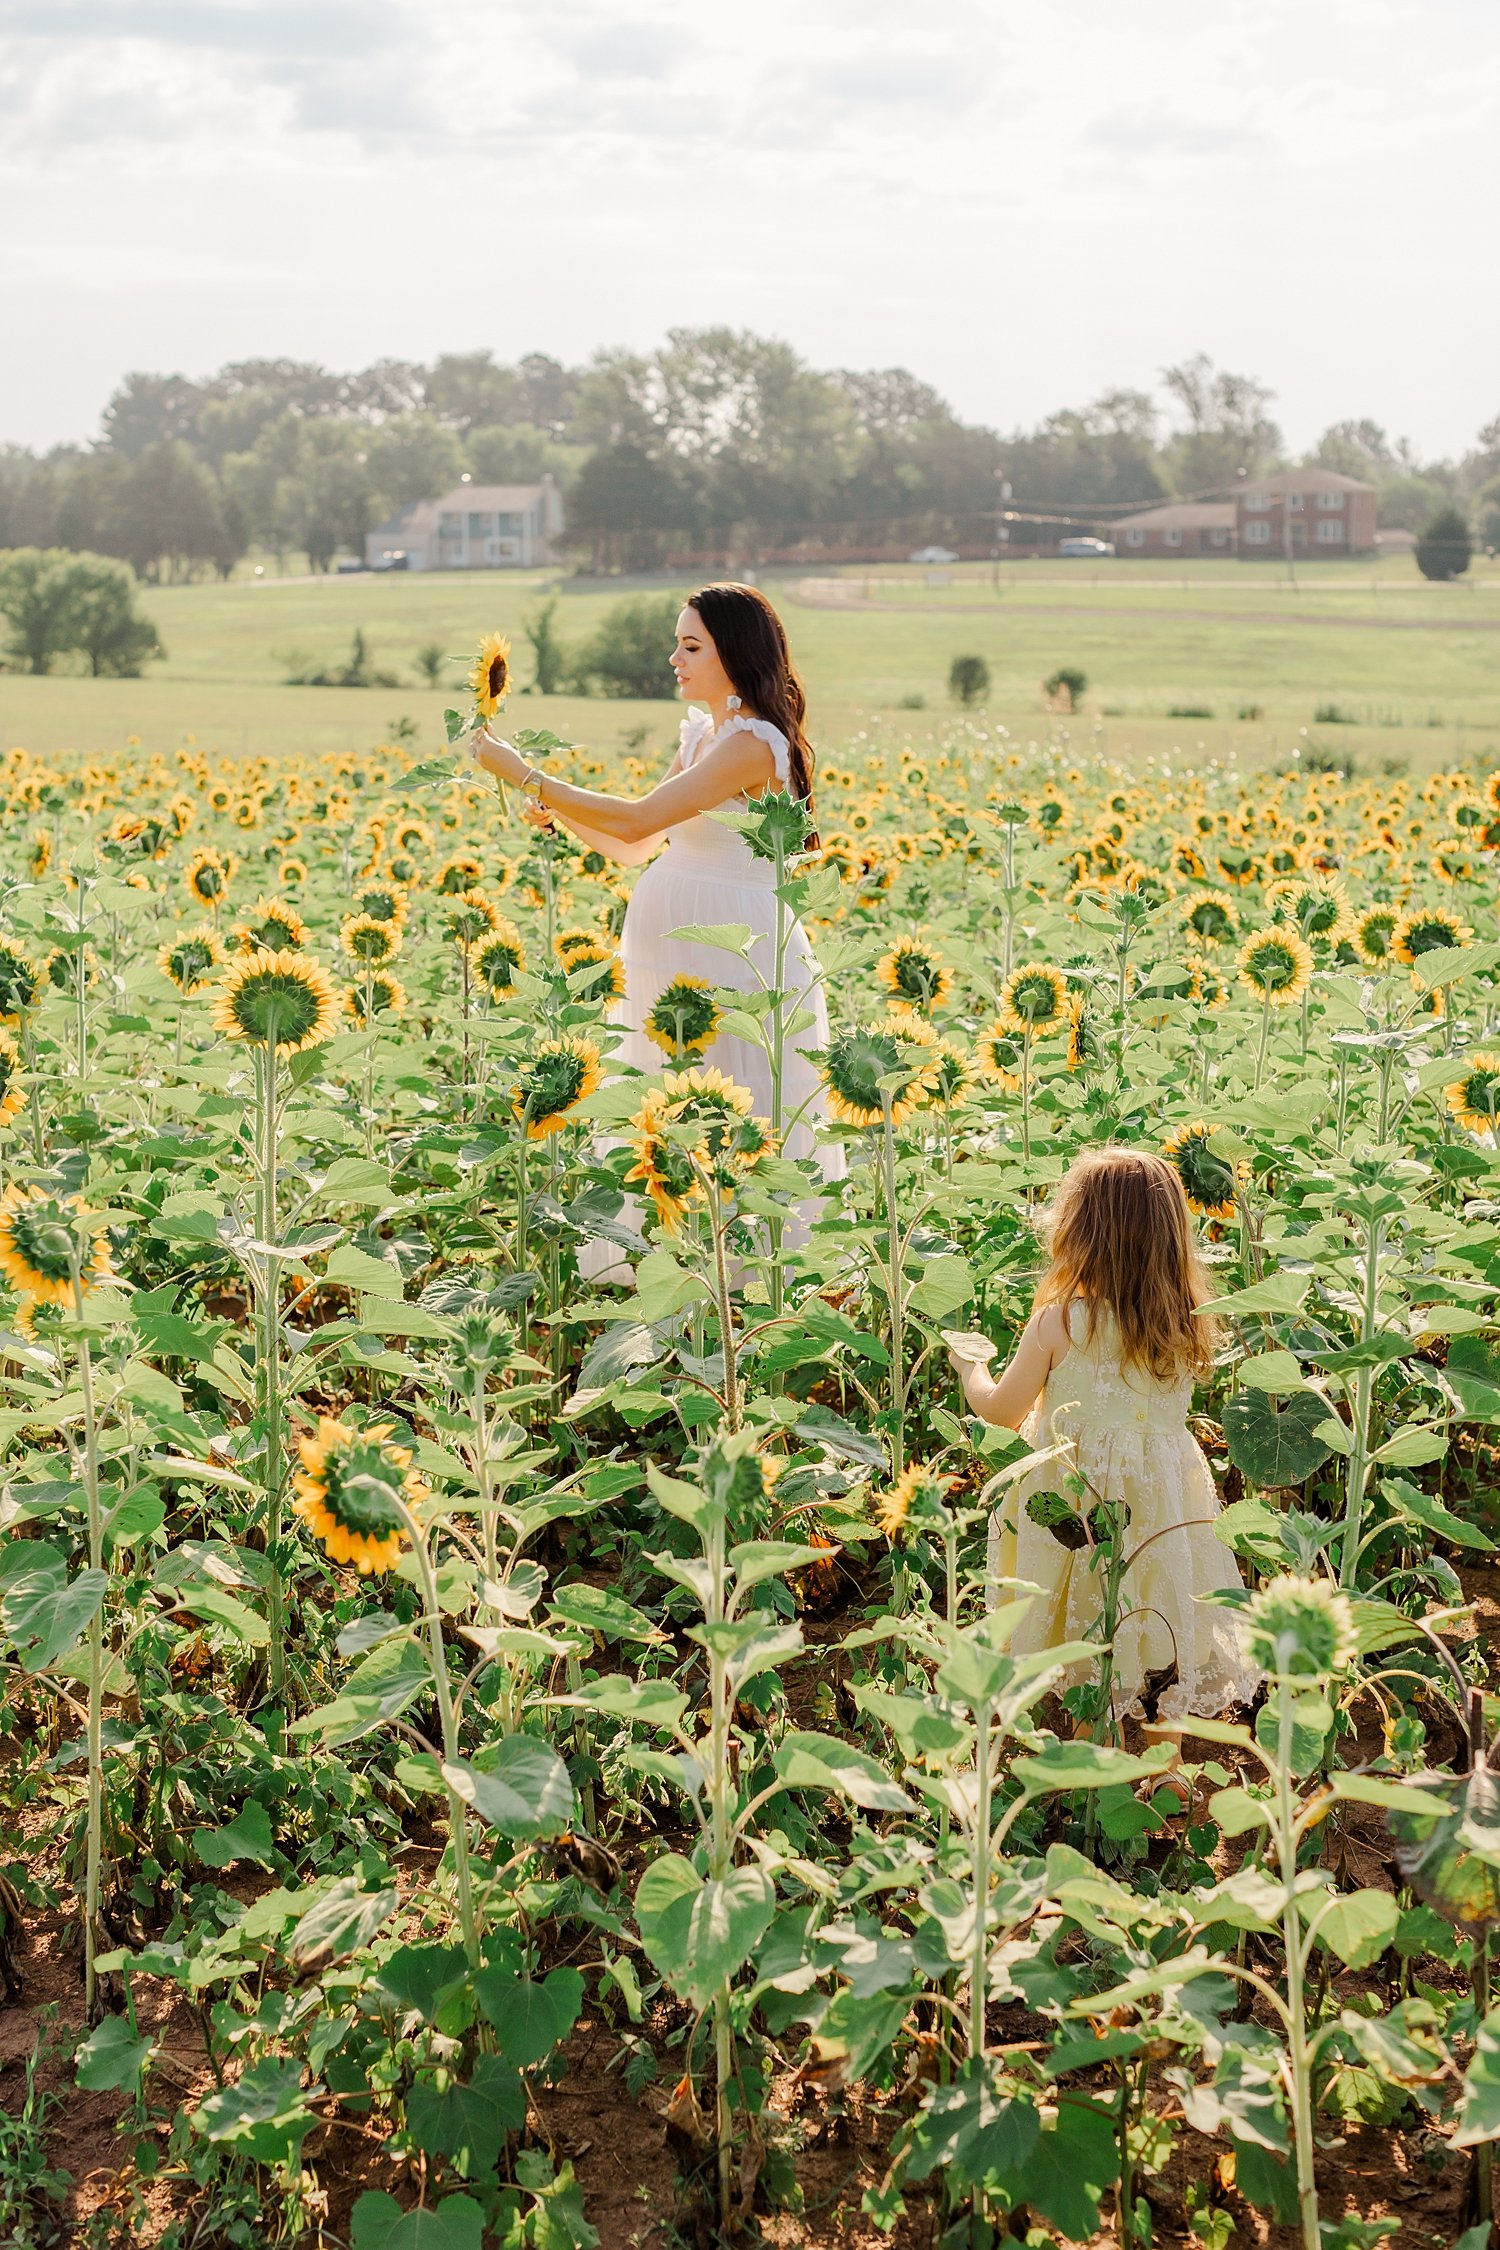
x=1106 y=1364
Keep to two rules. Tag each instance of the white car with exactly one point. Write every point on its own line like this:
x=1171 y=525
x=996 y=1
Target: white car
x=933 y=555
x=1085 y=547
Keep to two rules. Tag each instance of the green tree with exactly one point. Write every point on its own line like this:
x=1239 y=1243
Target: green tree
x=106 y=625
x=1227 y=426
x=1487 y=512
x=1409 y=503
x=968 y=680
x=1445 y=547
x=431 y=660
x=629 y=653
x=164 y=511
x=38 y=602
x=623 y=501
x=412 y=457
x=549 y=661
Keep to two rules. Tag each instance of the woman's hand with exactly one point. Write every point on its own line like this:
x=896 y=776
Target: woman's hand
x=504 y=759
x=537 y=814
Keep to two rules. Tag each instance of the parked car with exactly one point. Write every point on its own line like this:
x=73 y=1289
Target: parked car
x=345 y=569
x=933 y=555
x=1093 y=547
x=394 y=558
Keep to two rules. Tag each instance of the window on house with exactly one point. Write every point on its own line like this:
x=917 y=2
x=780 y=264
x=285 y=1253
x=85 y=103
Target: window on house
x=481 y=524
x=1218 y=539
x=509 y=523
x=1330 y=500
x=1171 y=538
x=1260 y=500
x=1294 y=501
x=451 y=526
x=1331 y=534
x=1258 y=534
x=1135 y=537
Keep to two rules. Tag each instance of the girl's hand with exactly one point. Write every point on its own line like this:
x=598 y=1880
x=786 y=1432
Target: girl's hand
x=538 y=815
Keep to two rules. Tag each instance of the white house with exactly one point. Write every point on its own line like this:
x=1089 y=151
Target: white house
x=473 y=527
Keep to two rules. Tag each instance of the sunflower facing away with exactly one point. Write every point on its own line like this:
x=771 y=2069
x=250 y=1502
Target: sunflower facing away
x=282 y=997
x=208 y=875
x=1207 y=918
x=608 y=979
x=683 y=1020
x=20 y=982
x=1033 y=1000
x=368 y=941
x=192 y=958
x=1373 y=933
x=911 y=972
x=562 y=1072
x=469 y=916
x=42 y=1237
x=489 y=674
x=1427 y=929
x=1276 y=967
x=1474 y=1099
x=1208 y=1181
x=497 y=958
x=856 y=1062
x=1002 y=1056
x=12 y=1082
x=272 y=924
x=349 y=1492
x=697 y=1128
x=384 y=995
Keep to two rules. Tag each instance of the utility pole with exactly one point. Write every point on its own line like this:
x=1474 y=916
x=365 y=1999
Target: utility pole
x=1002 y=528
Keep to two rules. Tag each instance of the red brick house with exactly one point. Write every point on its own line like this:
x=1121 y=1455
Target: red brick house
x=1329 y=514
x=1178 y=527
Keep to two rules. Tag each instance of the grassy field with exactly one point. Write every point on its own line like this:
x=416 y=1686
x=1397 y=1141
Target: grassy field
x=1412 y=667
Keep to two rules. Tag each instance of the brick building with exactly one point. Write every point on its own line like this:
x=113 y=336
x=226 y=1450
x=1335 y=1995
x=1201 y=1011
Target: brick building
x=1328 y=515
x=473 y=527
x=1178 y=527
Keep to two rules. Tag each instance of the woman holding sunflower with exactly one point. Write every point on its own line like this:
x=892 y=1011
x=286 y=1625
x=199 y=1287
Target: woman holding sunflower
x=743 y=736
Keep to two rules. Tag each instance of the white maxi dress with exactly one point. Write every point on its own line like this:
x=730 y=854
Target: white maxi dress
x=708 y=874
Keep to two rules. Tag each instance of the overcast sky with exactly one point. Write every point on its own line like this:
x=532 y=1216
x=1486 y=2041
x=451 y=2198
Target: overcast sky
x=1023 y=201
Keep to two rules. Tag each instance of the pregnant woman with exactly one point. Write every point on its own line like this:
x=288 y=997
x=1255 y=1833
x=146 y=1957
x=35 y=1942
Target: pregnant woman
x=743 y=736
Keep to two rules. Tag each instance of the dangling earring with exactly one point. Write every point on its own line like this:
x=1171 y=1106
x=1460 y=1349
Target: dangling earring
x=732 y=703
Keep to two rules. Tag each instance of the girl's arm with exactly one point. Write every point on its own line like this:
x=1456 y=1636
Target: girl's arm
x=741 y=765
x=1009 y=1398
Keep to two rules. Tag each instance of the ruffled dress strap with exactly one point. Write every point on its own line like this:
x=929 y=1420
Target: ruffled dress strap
x=697 y=727
x=780 y=748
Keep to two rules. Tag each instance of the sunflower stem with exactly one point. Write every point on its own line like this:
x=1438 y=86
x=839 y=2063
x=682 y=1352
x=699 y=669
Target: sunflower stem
x=437 y=1664
x=94 y=1856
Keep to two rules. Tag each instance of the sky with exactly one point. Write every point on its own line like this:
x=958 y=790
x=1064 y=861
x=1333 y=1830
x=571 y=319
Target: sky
x=1025 y=202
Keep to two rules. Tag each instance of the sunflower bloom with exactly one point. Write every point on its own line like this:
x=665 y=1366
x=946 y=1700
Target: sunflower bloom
x=915 y=1497
x=377 y=995
x=1373 y=933
x=1276 y=966
x=282 y=997
x=609 y=981
x=369 y=942
x=350 y=1491
x=856 y=1061
x=489 y=674
x=1474 y=1099
x=1207 y=918
x=562 y=1072
x=12 y=1080
x=20 y=982
x=43 y=1238
x=271 y=925
x=497 y=958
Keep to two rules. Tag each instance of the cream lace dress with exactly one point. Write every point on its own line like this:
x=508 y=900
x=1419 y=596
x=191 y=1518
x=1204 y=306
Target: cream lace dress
x=1127 y=1433
x=708 y=874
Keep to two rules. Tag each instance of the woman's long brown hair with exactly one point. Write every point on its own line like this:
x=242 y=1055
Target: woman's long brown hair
x=752 y=647
x=1121 y=1237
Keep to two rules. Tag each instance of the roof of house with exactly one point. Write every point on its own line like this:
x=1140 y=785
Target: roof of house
x=1181 y=515
x=1306 y=479
x=488 y=496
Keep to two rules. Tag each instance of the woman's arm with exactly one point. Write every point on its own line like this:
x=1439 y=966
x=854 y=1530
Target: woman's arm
x=1008 y=1398
x=741 y=765
x=593 y=839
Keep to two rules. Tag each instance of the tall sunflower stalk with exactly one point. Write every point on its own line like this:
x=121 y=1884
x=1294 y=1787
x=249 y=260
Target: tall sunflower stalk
x=279 y=1004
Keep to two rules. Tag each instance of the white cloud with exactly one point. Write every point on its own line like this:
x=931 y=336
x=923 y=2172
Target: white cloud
x=1024 y=205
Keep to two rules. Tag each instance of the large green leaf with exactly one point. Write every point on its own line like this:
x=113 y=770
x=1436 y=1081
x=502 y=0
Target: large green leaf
x=339 y=1921
x=265 y=2112
x=700 y=1932
x=531 y=2014
x=1358 y=1927
x=468 y=2121
x=1472 y=1368
x=1087 y=1765
x=1272 y=1441
x=1479 y=2111
x=524 y=1791
x=379 y=2223
x=44 y=1612
x=247 y=1836
x=111 y=2059
x=818 y=1761
x=974 y=2129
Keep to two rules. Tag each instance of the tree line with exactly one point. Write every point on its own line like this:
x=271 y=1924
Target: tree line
x=718 y=441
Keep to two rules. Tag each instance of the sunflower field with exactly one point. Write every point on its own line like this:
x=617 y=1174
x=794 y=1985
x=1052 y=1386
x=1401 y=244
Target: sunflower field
x=493 y=1757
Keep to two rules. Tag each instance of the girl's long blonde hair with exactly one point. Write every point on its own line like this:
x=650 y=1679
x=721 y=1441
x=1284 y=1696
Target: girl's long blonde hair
x=1121 y=1237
